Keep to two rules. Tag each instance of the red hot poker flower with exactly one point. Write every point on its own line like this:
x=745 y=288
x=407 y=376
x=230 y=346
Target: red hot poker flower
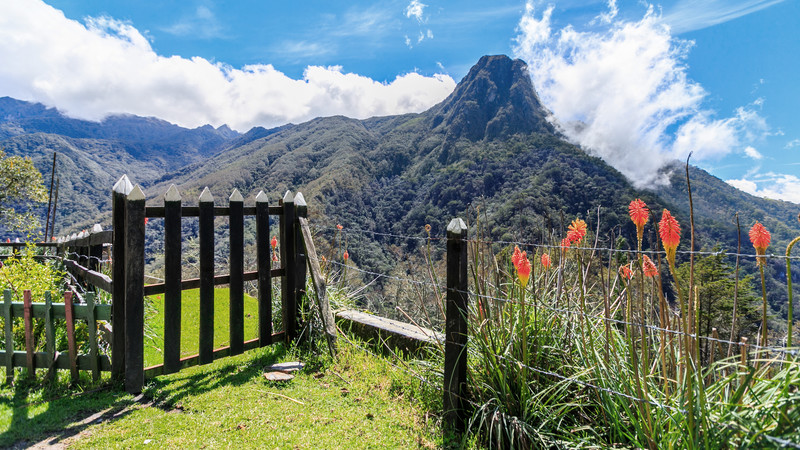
x=625 y=272
x=670 y=232
x=274 y=241
x=339 y=227
x=546 y=260
x=577 y=230
x=523 y=266
x=650 y=269
x=639 y=214
x=346 y=255
x=760 y=238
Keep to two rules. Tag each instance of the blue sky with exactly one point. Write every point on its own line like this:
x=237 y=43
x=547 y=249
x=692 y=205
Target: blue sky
x=635 y=83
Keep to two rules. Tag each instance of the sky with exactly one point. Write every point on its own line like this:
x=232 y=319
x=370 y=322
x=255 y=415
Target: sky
x=636 y=83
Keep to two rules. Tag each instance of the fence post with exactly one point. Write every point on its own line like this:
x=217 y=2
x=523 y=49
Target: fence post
x=9 y=329
x=301 y=210
x=120 y=192
x=134 y=291
x=172 y=280
x=95 y=250
x=236 y=291
x=288 y=299
x=28 y=321
x=264 y=270
x=455 y=351
x=206 y=330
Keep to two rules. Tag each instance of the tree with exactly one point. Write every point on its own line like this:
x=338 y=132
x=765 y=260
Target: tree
x=21 y=186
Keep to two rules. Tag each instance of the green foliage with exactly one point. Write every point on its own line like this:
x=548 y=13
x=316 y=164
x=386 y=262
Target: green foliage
x=20 y=187
x=24 y=272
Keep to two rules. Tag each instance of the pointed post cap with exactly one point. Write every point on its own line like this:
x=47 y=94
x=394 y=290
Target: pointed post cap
x=261 y=197
x=136 y=194
x=172 y=194
x=236 y=196
x=123 y=186
x=299 y=200
x=206 y=196
x=288 y=197
x=97 y=228
x=456 y=226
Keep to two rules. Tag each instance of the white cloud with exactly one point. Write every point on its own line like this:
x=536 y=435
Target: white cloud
x=202 y=23
x=752 y=153
x=416 y=9
x=623 y=93
x=690 y=15
x=793 y=143
x=107 y=66
x=771 y=185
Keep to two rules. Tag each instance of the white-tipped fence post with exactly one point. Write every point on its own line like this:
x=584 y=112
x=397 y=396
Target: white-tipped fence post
x=172 y=279
x=206 y=329
x=455 y=350
x=134 y=290
x=121 y=190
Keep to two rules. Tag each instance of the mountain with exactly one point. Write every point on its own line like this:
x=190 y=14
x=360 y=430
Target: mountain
x=487 y=148
x=93 y=155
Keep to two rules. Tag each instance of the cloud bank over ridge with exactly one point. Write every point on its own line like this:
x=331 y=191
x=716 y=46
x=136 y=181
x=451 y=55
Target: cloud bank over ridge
x=104 y=66
x=623 y=93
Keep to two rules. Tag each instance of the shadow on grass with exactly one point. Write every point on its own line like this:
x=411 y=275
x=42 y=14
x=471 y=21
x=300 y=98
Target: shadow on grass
x=34 y=411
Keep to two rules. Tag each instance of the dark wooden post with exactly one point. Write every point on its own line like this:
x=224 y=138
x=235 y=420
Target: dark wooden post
x=236 y=222
x=120 y=192
x=172 y=280
x=301 y=210
x=264 y=270
x=288 y=299
x=206 y=277
x=455 y=351
x=134 y=291
x=95 y=251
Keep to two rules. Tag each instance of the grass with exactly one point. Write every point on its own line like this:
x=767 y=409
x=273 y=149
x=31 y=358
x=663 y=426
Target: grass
x=361 y=401
x=190 y=317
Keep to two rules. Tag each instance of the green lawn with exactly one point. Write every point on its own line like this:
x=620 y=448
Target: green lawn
x=190 y=318
x=361 y=401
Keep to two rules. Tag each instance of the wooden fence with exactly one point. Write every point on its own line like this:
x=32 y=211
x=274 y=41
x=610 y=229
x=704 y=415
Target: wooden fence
x=48 y=311
x=128 y=290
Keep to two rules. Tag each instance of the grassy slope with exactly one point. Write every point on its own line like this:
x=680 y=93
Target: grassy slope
x=357 y=402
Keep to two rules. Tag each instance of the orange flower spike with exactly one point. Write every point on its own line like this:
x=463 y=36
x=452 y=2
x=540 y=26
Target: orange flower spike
x=339 y=227
x=577 y=230
x=346 y=255
x=274 y=241
x=760 y=238
x=625 y=272
x=650 y=269
x=546 y=261
x=515 y=258
x=670 y=232
x=639 y=215
x=523 y=269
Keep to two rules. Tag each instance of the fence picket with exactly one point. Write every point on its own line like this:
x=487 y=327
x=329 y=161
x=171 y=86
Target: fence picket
x=206 y=328
x=264 y=270
x=172 y=280
x=455 y=353
x=9 y=325
x=236 y=261
x=120 y=191
x=72 y=348
x=301 y=210
x=49 y=335
x=288 y=299
x=134 y=290
x=28 y=319
x=92 y=324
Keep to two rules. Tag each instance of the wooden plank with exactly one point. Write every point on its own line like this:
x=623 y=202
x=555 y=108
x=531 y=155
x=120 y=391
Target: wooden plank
x=62 y=360
x=264 y=270
x=92 y=325
x=288 y=284
x=320 y=289
x=9 y=329
x=134 y=291
x=87 y=275
x=121 y=190
x=206 y=326
x=218 y=353
x=194 y=283
x=455 y=353
x=236 y=262
x=300 y=210
x=71 y=347
x=194 y=211
x=49 y=335
x=57 y=310
x=172 y=280
x=28 y=320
